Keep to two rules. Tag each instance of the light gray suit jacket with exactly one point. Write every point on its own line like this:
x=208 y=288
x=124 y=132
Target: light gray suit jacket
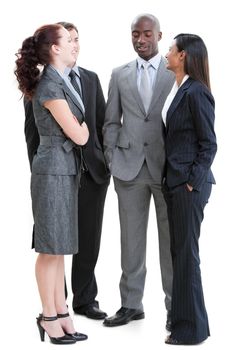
x=130 y=134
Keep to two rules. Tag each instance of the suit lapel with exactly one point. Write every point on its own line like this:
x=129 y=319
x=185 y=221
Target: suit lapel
x=85 y=85
x=159 y=84
x=72 y=97
x=132 y=82
x=178 y=97
x=54 y=75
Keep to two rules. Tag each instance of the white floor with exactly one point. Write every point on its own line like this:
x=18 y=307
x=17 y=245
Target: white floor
x=101 y=50
x=20 y=301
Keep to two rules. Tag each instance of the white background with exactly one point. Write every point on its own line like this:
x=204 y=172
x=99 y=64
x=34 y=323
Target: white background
x=104 y=28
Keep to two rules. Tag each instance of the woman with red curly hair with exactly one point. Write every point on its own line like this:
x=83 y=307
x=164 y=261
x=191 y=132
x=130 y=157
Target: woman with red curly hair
x=55 y=169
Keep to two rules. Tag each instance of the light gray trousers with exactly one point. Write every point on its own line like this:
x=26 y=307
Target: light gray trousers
x=134 y=202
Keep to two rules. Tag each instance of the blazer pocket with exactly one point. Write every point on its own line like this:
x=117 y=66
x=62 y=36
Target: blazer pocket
x=122 y=143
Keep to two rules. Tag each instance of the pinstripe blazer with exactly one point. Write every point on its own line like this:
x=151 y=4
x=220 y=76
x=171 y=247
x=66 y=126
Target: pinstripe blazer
x=190 y=136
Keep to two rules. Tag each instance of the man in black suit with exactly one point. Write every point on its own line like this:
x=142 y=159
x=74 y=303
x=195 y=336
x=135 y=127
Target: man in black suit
x=93 y=189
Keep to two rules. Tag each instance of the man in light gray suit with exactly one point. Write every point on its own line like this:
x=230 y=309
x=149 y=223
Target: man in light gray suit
x=134 y=151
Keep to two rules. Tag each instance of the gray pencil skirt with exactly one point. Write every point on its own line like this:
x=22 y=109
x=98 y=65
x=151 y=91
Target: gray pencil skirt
x=55 y=212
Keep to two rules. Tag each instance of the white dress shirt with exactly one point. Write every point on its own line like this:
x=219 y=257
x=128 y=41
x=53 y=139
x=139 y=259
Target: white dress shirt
x=152 y=70
x=170 y=97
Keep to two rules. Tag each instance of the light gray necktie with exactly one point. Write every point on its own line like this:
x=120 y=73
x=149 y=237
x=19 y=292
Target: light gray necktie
x=145 y=86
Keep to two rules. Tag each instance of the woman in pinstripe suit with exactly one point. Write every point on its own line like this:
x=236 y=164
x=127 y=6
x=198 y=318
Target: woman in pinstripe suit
x=188 y=115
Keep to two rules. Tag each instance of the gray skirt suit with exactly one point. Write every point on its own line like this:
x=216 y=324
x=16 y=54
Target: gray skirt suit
x=55 y=172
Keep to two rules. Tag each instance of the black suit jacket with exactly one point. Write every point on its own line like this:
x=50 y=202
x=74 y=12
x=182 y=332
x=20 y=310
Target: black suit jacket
x=190 y=137
x=31 y=132
x=94 y=117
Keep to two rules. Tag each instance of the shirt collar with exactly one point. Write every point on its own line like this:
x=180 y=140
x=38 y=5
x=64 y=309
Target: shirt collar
x=176 y=86
x=154 y=61
x=184 y=79
x=56 y=70
x=68 y=70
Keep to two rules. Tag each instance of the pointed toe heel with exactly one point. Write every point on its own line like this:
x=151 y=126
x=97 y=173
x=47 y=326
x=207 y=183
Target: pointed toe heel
x=65 y=339
x=76 y=336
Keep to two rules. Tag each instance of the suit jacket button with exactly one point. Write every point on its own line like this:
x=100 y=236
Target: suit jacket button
x=145 y=144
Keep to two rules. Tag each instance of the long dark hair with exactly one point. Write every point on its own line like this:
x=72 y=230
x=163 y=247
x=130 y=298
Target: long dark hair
x=35 y=51
x=196 y=60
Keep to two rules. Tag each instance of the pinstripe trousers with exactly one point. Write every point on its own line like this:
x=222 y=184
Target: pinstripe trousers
x=185 y=213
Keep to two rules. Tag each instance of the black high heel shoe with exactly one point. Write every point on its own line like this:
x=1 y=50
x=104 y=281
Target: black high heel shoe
x=77 y=336
x=66 y=339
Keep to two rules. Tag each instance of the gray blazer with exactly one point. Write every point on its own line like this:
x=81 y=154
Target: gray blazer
x=130 y=134
x=55 y=154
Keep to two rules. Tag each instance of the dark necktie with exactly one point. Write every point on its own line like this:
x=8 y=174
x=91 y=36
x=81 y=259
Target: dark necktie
x=74 y=83
x=76 y=87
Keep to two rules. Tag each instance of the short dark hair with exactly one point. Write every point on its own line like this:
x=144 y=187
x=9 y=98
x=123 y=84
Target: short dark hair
x=69 y=26
x=146 y=16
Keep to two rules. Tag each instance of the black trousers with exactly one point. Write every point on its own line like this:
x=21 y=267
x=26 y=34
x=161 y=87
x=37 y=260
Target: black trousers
x=90 y=217
x=188 y=312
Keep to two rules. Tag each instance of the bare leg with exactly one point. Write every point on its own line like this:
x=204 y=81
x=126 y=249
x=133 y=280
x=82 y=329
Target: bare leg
x=46 y=270
x=60 y=299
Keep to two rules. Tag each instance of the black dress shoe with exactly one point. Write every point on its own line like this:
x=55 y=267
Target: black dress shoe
x=90 y=311
x=168 y=325
x=171 y=341
x=123 y=316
